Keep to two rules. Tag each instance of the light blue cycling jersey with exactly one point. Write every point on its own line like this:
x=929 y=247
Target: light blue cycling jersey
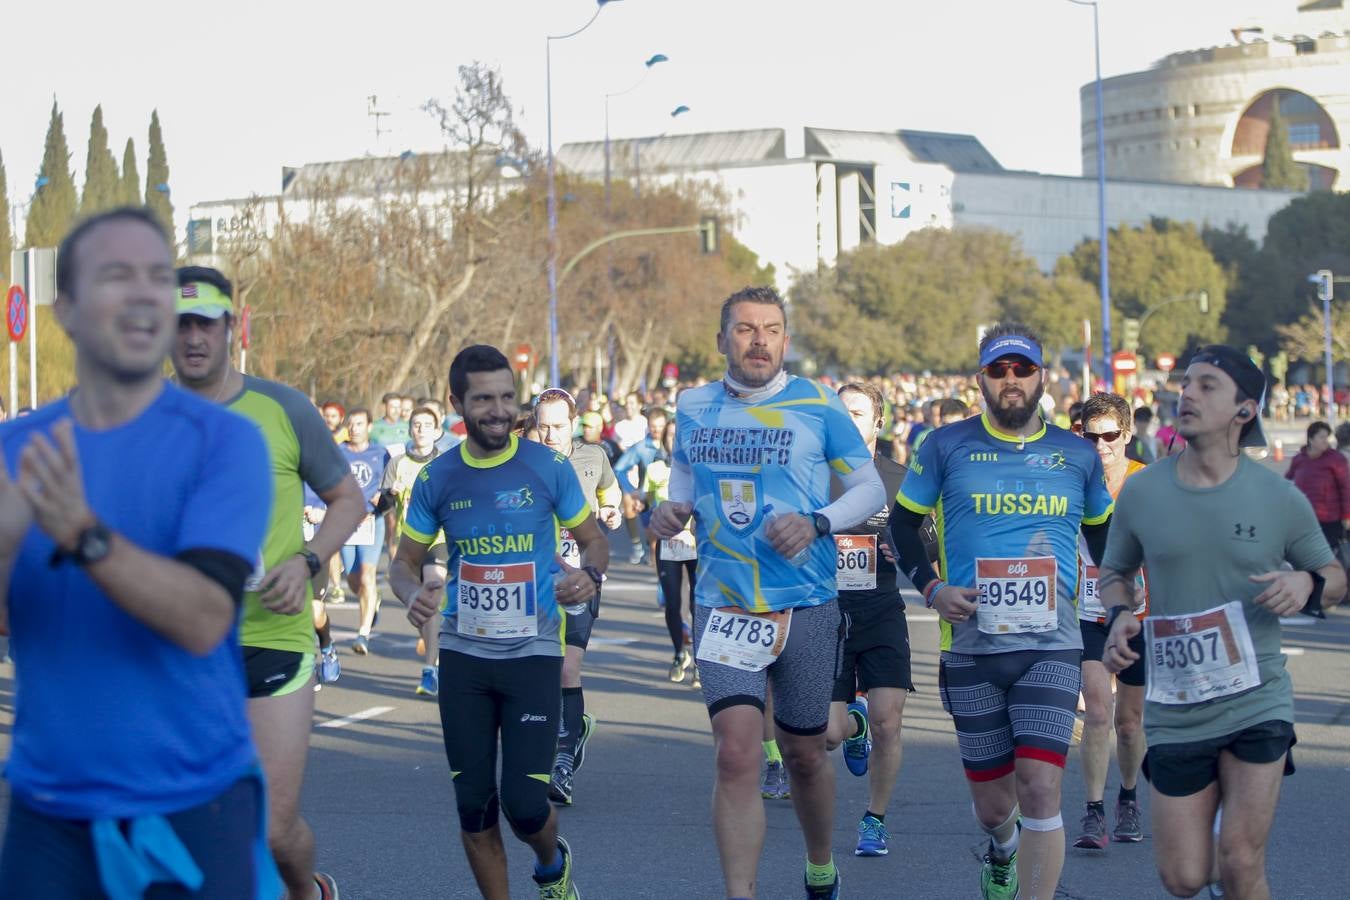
x=1008 y=513
x=752 y=460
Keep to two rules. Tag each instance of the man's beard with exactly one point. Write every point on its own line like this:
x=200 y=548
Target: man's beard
x=487 y=442
x=752 y=381
x=1012 y=419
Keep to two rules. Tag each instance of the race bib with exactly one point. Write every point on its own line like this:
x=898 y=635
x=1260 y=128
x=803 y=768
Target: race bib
x=364 y=535
x=1204 y=656
x=855 y=566
x=680 y=548
x=497 y=602
x=570 y=551
x=1017 y=596
x=744 y=640
x=1090 y=606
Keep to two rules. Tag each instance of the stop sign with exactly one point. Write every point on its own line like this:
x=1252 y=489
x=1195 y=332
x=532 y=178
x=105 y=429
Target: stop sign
x=1167 y=362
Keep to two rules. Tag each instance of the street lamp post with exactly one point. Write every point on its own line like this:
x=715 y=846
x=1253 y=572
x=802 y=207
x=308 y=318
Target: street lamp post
x=553 y=365
x=652 y=61
x=637 y=150
x=1103 y=261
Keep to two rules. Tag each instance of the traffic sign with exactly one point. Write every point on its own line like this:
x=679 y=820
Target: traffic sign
x=1166 y=362
x=245 y=327
x=1122 y=361
x=524 y=356
x=16 y=313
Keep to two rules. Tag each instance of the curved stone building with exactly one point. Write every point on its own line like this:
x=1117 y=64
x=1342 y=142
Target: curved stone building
x=1202 y=116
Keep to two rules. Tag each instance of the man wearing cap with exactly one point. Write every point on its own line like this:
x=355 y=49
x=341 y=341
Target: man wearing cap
x=276 y=629
x=1014 y=494
x=1215 y=531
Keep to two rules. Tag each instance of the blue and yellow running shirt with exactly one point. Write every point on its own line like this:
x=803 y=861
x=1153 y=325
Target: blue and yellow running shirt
x=1008 y=514
x=746 y=458
x=500 y=516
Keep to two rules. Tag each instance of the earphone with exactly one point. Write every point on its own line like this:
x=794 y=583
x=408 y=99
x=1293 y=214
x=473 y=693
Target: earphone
x=1244 y=413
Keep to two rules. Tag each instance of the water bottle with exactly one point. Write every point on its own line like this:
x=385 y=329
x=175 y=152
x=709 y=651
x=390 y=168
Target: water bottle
x=800 y=558
x=574 y=609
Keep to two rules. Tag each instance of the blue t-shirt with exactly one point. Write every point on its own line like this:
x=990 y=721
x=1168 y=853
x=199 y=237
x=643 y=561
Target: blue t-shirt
x=113 y=720
x=1017 y=507
x=747 y=458
x=501 y=517
x=367 y=467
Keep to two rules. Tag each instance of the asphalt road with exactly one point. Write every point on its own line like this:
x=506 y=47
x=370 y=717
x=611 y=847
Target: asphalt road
x=379 y=797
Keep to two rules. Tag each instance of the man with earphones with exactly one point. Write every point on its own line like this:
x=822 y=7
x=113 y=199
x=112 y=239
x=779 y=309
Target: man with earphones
x=275 y=629
x=1230 y=546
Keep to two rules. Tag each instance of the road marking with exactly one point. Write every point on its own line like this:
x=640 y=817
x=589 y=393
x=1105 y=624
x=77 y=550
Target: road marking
x=921 y=616
x=1294 y=651
x=614 y=642
x=357 y=717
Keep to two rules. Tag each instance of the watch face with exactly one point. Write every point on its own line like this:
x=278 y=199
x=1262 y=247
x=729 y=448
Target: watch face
x=93 y=545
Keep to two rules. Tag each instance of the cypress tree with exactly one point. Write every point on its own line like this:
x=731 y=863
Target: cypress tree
x=54 y=201
x=1278 y=169
x=102 y=184
x=6 y=238
x=131 y=176
x=157 y=177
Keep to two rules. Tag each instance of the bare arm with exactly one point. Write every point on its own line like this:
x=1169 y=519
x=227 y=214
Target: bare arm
x=405 y=572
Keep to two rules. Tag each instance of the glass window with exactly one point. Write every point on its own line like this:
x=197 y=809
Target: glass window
x=1305 y=134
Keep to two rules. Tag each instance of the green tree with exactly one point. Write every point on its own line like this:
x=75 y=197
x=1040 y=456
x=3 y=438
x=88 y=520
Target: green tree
x=1055 y=308
x=1239 y=255
x=157 y=176
x=913 y=305
x=131 y=176
x=1152 y=264
x=1311 y=233
x=1278 y=169
x=6 y=237
x=102 y=184
x=54 y=201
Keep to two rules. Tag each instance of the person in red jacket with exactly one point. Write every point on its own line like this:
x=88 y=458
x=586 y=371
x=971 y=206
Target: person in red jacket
x=1323 y=475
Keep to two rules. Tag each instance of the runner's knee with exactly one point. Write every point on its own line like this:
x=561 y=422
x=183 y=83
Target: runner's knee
x=1184 y=879
x=738 y=756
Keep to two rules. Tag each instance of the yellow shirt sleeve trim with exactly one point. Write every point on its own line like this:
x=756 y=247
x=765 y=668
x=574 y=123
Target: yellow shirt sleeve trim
x=1098 y=520
x=425 y=539
x=577 y=519
x=911 y=505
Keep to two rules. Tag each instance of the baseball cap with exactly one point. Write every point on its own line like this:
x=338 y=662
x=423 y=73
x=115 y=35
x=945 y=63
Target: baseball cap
x=205 y=292
x=1011 y=345
x=592 y=420
x=1248 y=378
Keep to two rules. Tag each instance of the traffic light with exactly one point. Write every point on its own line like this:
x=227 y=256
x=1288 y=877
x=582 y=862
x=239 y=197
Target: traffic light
x=1129 y=335
x=709 y=234
x=1323 y=279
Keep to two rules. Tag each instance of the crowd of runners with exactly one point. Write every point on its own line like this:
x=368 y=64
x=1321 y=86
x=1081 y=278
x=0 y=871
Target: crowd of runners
x=169 y=549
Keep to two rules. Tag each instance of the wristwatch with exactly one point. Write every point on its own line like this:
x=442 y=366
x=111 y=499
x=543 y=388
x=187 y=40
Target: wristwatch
x=1114 y=613
x=822 y=524
x=92 y=545
x=596 y=575
x=312 y=561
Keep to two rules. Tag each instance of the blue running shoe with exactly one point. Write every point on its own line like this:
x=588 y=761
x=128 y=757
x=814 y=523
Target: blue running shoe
x=330 y=669
x=872 y=837
x=858 y=749
x=361 y=645
x=431 y=681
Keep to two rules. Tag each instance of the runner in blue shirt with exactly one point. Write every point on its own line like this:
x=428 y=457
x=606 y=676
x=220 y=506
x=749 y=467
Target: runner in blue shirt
x=752 y=463
x=131 y=514
x=500 y=502
x=1010 y=494
x=361 y=554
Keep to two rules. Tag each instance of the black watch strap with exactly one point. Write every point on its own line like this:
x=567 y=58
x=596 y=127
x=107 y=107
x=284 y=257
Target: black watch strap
x=1114 y=613
x=596 y=575
x=822 y=523
x=312 y=561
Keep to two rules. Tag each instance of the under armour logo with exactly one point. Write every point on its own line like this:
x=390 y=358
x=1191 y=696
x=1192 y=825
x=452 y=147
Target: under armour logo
x=1238 y=529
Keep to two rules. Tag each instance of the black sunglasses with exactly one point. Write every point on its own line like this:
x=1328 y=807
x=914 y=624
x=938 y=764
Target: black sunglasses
x=1109 y=436
x=1000 y=369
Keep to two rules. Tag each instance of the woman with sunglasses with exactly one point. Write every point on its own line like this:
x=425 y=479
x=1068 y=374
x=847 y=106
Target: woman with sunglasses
x=1106 y=423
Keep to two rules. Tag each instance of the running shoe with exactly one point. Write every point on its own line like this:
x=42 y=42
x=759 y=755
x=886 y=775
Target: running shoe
x=587 y=729
x=858 y=749
x=1093 y=836
x=1216 y=890
x=560 y=785
x=872 y=837
x=774 y=784
x=361 y=645
x=1129 y=827
x=825 y=892
x=330 y=669
x=561 y=888
x=430 y=684
x=697 y=682
x=328 y=889
x=998 y=880
x=636 y=555
x=677 y=669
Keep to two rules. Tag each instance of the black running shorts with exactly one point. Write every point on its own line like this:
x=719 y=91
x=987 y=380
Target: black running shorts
x=1179 y=770
x=1094 y=647
x=876 y=651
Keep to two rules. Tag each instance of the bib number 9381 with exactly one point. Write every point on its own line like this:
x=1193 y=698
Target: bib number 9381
x=496 y=602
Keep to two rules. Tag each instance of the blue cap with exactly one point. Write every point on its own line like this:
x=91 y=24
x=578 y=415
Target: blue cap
x=1011 y=345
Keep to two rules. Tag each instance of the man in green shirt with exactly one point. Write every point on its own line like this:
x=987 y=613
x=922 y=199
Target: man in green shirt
x=1215 y=531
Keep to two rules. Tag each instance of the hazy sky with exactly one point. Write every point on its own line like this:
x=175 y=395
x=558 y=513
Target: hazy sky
x=246 y=87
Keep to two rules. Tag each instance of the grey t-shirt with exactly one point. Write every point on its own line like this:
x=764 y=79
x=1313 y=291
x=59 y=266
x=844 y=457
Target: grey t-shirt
x=1200 y=545
x=593 y=471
